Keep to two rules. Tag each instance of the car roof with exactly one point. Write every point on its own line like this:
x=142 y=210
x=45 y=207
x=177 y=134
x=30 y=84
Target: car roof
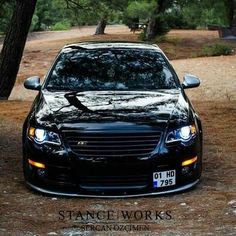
x=113 y=44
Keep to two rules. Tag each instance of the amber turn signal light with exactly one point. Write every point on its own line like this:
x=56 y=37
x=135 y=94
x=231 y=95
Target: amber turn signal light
x=189 y=162
x=36 y=164
x=31 y=132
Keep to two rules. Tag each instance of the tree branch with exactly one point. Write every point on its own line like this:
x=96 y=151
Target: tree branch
x=72 y=4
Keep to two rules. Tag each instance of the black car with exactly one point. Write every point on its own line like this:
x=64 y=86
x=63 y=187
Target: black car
x=112 y=119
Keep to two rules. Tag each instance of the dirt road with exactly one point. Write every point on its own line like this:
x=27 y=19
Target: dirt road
x=210 y=209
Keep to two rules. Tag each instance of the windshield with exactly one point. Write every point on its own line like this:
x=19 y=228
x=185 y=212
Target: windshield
x=110 y=69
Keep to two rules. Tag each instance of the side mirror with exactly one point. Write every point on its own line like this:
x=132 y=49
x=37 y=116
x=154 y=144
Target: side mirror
x=32 y=83
x=190 y=81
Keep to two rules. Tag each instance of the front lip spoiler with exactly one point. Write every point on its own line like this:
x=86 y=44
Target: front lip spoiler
x=182 y=188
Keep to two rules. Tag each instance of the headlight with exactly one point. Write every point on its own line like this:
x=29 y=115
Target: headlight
x=183 y=134
x=42 y=136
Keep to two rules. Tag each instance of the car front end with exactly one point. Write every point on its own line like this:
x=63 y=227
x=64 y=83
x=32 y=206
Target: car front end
x=114 y=143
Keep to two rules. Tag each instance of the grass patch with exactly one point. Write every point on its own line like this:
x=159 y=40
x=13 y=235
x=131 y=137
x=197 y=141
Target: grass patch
x=217 y=50
x=168 y=39
x=142 y=36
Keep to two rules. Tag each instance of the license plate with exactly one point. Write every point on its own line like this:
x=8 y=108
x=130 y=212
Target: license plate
x=164 y=178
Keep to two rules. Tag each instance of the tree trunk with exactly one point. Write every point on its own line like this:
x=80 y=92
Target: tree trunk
x=151 y=28
x=230 y=8
x=231 y=12
x=101 y=26
x=152 y=24
x=13 y=46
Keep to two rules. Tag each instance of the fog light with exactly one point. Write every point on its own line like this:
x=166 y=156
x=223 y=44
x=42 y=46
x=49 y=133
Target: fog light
x=36 y=164
x=185 y=170
x=189 y=162
x=41 y=172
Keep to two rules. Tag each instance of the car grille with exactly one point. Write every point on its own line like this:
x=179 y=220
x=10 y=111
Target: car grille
x=97 y=144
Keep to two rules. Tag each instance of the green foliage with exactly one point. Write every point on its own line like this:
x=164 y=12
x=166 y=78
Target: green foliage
x=185 y=14
x=6 y=9
x=162 y=25
x=217 y=50
x=93 y=11
x=168 y=39
x=203 y=12
x=63 y=25
x=177 y=20
x=161 y=39
x=48 y=13
x=142 y=36
x=34 y=23
x=139 y=9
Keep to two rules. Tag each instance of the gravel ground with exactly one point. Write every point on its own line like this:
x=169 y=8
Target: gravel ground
x=209 y=209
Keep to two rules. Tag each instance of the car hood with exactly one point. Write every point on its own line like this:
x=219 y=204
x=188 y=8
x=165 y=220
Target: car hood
x=57 y=108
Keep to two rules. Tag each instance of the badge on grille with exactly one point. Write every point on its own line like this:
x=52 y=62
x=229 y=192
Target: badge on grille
x=82 y=143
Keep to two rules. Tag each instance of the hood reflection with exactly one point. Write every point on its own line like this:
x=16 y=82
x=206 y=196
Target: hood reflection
x=127 y=106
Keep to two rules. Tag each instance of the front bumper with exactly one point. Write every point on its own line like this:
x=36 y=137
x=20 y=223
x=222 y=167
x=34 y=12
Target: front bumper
x=180 y=189
x=68 y=175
